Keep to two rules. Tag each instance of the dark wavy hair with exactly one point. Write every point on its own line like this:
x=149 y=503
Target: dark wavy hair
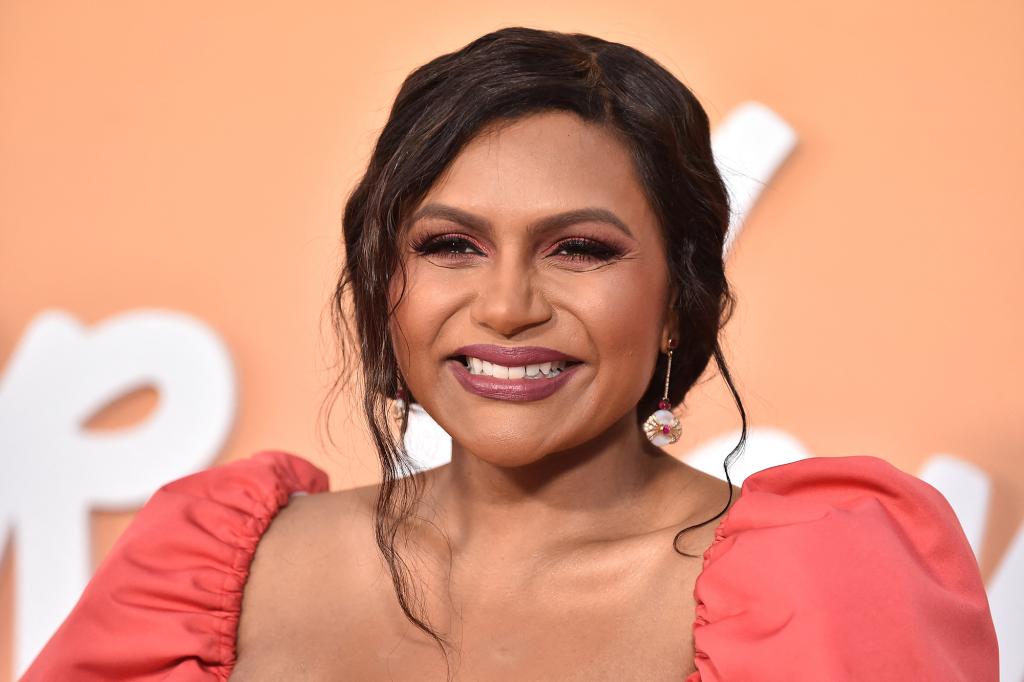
x=497 y=78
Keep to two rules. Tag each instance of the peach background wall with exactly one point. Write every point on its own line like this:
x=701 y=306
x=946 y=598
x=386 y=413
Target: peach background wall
x=195 y=156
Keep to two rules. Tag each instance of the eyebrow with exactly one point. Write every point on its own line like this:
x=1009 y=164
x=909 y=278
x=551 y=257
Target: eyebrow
x=551 y=222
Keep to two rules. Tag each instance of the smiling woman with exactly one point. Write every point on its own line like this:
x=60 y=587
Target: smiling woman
x=534 y=255
x=560 y=267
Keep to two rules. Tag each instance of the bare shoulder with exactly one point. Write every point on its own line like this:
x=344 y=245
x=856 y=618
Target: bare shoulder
x=314 y=552
x=709 y=492
x=316 y=522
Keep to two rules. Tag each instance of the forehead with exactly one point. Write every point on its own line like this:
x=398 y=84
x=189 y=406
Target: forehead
x=543 y=163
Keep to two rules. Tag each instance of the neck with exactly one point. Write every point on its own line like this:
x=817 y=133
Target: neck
x=599 y=490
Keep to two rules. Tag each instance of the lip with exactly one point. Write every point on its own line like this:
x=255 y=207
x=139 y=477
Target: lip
x=519 y=390
x=513 y=356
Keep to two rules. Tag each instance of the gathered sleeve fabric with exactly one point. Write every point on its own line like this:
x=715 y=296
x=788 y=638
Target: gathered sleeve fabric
x=841 y=568
x=165 y=602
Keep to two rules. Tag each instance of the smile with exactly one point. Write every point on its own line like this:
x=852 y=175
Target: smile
x=518 y=383
x=539 y=371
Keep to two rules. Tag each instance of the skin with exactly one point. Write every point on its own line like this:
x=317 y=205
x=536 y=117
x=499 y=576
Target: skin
x=544 y=549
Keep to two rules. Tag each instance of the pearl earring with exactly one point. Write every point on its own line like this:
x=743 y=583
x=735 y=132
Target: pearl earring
x=663 y=427
x=398 y=408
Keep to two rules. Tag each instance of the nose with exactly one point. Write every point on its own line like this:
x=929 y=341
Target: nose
x=508 y=300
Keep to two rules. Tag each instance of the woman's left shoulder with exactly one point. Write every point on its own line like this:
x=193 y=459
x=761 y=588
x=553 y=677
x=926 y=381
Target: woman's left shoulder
x=858 y=493
x=842 y=568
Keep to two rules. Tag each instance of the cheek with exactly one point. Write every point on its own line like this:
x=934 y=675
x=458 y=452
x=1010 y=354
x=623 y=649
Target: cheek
x=623 y=315
x=626 y=311
x=416 y=325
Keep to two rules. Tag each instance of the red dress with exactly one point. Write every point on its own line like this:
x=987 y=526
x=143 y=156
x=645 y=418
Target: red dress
x=826 y=569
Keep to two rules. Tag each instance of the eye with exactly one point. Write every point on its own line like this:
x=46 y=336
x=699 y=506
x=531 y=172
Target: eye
x=586 y=250
x=445 y=246
x=456 y=247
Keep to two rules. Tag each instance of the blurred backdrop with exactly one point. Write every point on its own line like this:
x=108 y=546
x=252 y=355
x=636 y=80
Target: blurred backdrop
x=171 y=182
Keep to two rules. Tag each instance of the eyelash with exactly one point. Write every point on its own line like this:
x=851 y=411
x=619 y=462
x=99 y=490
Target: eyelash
x=587 y=250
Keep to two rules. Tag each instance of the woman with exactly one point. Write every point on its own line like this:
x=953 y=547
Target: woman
x=534 y=255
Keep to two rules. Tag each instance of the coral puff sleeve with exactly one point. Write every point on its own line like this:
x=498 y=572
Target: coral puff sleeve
x=841 y=568
x=165 y=602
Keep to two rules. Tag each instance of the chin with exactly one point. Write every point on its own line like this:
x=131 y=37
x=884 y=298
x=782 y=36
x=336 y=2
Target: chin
x=512 y=448
x=507 y=447
x=506 y=454
x=509 y=460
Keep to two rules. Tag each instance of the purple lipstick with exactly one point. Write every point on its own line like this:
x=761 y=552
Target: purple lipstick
x=517 y=373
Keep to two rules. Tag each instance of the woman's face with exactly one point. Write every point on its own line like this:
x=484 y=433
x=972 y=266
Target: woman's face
x=493 y=257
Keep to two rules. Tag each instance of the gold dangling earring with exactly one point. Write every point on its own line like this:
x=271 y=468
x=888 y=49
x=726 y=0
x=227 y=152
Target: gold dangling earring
x=663 y=427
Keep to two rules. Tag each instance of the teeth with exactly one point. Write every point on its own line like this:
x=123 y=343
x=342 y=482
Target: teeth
x=543 y=370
